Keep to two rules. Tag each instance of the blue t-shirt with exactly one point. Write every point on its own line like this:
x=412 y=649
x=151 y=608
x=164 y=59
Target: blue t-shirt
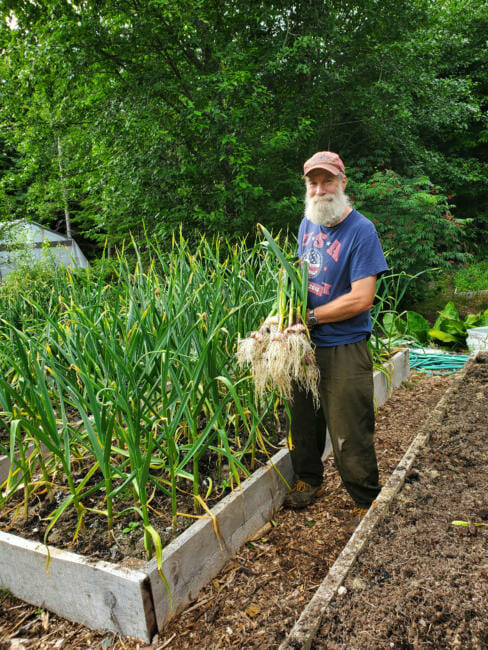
x=336 y=257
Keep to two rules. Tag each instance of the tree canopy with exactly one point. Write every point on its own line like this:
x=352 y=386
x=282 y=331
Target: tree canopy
x=119 y=114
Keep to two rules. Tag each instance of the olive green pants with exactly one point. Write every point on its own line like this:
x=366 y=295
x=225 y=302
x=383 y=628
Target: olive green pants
x=347 y=409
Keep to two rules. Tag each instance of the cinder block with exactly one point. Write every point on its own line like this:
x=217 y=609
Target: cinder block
x=401 y=367
x=381 y=387
x=396 y=370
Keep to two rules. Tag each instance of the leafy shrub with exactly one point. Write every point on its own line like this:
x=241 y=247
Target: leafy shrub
x=105 y=268
x=413 y=221
x=449 y=329
x=472 y=278
x=32 y=280
x=412 y=326
x=29 y=283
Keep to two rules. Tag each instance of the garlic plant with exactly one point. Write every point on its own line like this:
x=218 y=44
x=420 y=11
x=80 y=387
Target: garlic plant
x=280 y=352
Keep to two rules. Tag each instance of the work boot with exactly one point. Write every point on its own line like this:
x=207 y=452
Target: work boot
x=301 y=495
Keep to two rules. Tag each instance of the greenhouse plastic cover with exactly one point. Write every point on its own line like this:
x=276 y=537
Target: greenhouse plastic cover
x=25 y=242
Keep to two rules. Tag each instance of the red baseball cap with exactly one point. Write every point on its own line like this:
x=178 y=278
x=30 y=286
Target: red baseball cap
x=327 y=160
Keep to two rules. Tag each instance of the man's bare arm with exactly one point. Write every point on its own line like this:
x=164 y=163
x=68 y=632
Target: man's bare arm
x=359 y=299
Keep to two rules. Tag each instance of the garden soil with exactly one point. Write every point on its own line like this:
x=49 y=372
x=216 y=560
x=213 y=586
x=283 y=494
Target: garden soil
x=422 y=581
x=257 y=597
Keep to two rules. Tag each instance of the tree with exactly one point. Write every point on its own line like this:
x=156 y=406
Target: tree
x=414 y=223
x=462 y=163
x=203 y=112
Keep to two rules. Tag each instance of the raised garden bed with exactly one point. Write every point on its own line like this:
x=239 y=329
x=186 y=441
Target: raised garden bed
x=239 y=516
x=469 y=294
x=273 y=573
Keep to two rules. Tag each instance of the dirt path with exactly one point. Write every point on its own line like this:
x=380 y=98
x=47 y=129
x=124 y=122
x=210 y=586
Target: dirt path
x=258 y=596
x=422 y=582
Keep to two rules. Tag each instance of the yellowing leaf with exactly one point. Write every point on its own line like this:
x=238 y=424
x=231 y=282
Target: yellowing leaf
x=253 y=610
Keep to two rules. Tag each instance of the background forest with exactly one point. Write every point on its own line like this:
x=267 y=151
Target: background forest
x=121 y=114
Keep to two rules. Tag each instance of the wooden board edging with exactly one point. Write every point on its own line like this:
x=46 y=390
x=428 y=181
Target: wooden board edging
x=98 y=594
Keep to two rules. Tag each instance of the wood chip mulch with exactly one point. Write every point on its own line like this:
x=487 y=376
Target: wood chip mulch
x=421 y=581
x=257 y=597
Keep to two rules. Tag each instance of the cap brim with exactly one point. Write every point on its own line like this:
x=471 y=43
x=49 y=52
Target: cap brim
x=329 y=168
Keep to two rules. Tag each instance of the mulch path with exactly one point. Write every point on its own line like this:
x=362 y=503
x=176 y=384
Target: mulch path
x=422 y=582
x=257 y=597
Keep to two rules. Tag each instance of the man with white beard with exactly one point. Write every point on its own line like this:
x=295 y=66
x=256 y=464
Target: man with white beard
x=344 y=257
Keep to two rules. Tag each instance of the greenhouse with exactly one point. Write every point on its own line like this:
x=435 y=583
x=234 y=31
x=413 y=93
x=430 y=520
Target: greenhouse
x=30 y=242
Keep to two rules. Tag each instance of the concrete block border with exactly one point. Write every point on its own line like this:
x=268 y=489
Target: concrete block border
x=135 y=602
x=469 y=294
x=395 y=370
x=304 y=631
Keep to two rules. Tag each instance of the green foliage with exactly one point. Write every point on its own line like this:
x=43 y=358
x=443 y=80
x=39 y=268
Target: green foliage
x=131 y=527
x=448 y=330
x=412 y=325
x=472 y=278
x=413 y=221
x=387 y=325
x=31 y=279
x=137 y=375
x=462 y=163
x=119 y=114
x=31 y=282
x=418 y=327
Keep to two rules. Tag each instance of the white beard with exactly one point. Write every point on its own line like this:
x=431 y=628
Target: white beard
x=328 y=209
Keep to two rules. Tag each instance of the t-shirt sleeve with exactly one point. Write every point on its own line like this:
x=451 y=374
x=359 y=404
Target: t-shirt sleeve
x=368 y=258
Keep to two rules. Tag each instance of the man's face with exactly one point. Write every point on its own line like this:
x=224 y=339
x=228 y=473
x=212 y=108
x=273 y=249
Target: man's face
x=325 y=201
x=322 y=183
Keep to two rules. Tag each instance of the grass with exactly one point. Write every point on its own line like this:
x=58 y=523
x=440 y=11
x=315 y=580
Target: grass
x=472 y=278
x=445 y=292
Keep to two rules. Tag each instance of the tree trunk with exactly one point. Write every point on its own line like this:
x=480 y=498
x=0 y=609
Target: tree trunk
x=64 y=189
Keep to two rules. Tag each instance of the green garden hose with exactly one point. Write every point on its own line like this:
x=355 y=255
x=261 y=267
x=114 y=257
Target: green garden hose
x=437 y=363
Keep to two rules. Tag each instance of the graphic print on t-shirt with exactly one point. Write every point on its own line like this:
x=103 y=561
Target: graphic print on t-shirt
x=314 y=260
x=334 y=250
